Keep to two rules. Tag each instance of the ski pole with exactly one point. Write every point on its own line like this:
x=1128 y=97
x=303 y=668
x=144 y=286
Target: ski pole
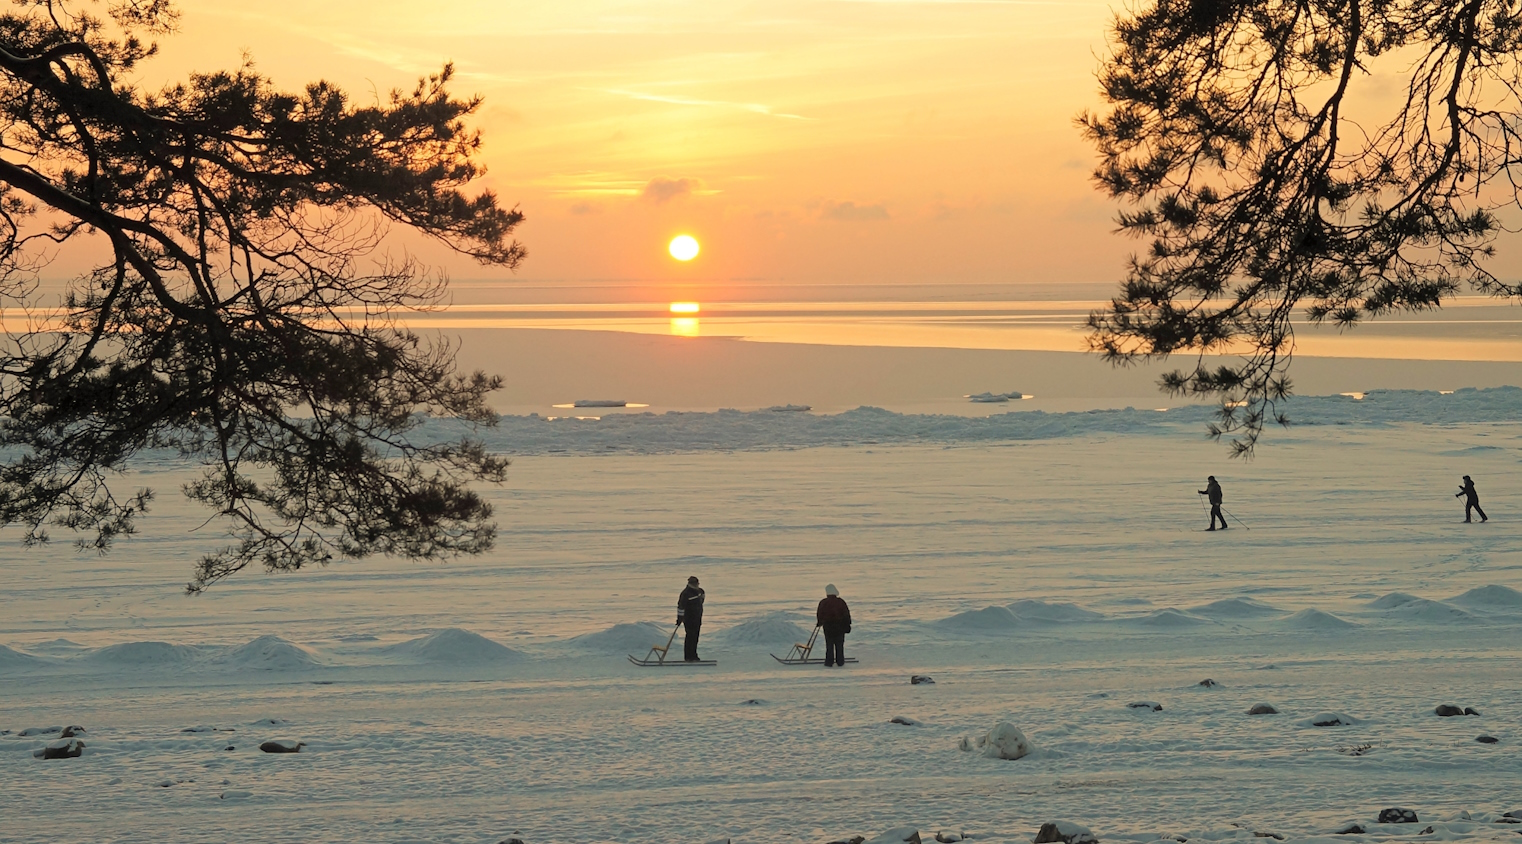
x=1234 y=516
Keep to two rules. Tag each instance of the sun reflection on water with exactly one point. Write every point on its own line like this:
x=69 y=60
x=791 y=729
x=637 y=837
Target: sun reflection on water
x=684 y=326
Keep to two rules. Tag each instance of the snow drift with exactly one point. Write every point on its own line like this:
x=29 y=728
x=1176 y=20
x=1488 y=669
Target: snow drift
x=266 y=653
x=1168 y=618
x=1053 y=612
x=624 y=638
x=455 y=647
x=1235 y=608
x=141 y=655
x=776 y=628
x=987 y=620
x=1493 y=597
x=13 y=660
x=1316 y=621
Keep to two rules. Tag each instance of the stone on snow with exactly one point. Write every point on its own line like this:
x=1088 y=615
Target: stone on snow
x=1064 y=832
x=1005 y=741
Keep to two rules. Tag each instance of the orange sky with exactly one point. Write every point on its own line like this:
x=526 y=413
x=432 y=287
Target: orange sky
x=799 y=140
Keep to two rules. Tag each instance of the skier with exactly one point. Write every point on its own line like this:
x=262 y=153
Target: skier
x=1213 y=490
x=1471 y=499
x=835 y=617
x=689 y=614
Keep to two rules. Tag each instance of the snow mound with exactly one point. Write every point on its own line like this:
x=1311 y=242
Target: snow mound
x=769 y=629
x=1494 y=596
x=1004 y=741
x=1236 y=608
x=1330 y=719
x=1169 y=618
x=625 y=638
x=142 y=655
x=454 y=646
x=1423 y=609
x=1316 y=620
x=1053 y=612
x=13 y=659
x=988 y=619
x=267 y=653
x=1392 y=600
x=58 y=647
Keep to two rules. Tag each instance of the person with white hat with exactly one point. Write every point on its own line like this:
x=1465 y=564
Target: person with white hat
x=835 y=617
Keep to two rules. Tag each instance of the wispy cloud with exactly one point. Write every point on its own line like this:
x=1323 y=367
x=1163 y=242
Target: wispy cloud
x=754 y=108
x=661 y=189
x=850 y=212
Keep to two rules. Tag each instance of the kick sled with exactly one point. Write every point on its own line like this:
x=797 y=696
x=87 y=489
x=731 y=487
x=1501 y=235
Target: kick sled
x=657 y=657
x=799 y=655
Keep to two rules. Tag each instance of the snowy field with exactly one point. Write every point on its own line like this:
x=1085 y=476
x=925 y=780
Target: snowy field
x=1045 y=569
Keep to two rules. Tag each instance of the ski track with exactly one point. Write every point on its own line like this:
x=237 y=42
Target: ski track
x=416 y=730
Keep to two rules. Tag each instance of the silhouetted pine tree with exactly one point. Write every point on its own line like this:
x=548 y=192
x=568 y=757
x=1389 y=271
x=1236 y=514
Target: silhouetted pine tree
x=1232 y=133
x=241 y=313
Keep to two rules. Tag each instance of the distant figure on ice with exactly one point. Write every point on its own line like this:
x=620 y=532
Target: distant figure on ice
x=689 y=614
x=1471 y=499
x=1213 y=490
x=835 y=617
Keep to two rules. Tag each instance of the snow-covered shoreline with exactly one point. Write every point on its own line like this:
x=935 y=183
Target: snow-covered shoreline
x=729 y=430
x=1048 y=583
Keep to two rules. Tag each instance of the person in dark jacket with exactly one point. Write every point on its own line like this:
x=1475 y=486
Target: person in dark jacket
x=835 y=617
x=689 y=614
x=1213 y=490
x=1471 y=499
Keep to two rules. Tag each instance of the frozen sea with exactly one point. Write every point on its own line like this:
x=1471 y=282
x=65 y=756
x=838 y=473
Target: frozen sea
x=1046 y=569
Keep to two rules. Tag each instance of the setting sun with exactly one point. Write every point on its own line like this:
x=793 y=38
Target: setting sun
x=683 y=247
x=684 y=307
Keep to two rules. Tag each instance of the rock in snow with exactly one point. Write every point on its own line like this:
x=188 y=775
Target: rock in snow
x=62 y=749
x=1262 y=709
x=1446 y=710
x=1397 y=815
x=898 y=835
x=1333 y=719
x=1486 y=739
x=904 y=720
x=1148 y=705
x=282 y=746
x=921 y=680
x=1004 y=741
x=1351 y=829
x=1064 y=832
x=71 y=732
x=1208 y=683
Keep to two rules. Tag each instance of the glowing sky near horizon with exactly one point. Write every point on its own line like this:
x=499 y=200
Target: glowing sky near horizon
x=828 y=140
x=805 y=141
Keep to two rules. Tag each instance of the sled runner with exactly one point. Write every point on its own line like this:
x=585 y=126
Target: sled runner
x=657 y=657
x=799 y=655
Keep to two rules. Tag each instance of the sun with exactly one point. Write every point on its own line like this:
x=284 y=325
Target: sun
x=683 y=247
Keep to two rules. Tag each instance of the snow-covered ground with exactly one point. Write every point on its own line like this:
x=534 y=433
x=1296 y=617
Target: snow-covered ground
x=1046 y=570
